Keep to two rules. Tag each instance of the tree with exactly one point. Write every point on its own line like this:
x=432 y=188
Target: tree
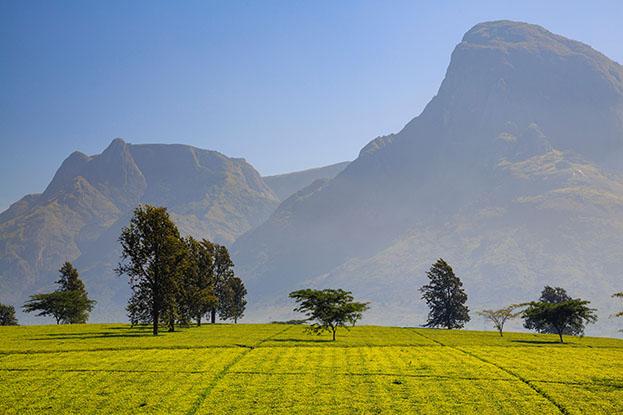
x=562 y=317
x=328 y=309
x=197 y=296
x=501 y=316
x=233 y=301
x=61 y=305
x=138 y=308
x=555 y=295
x=69 y=304
x=70 y=281
x=445 y=297
x=153 y=258
x=222 y=272
x=619 y=295
x=7 y=315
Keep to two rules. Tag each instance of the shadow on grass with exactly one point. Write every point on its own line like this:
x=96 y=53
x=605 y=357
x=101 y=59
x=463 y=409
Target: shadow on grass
x=96 y=335
x=301 y=341
x=141 y=327
x=537 y=341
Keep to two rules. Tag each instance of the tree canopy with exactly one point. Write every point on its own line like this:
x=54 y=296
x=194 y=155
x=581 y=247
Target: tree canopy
x=233 y=299
x=197 y=291
x=564 y=317
x=555 y=295
x=223 y=271
x=153 y=258
x=7 y=315
x=69 y=304
x=445 y=297
x=61 y=305
x=328 y=309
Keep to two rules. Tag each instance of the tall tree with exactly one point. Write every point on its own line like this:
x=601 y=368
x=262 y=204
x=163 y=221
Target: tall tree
x=222 y=272
x=328 y=309
x=563 y=317
x=7 y=315
x=445 y=297
x=233 y=302
x=153 y=257
x=501 y=316
x=197 y=295
x=69 y=304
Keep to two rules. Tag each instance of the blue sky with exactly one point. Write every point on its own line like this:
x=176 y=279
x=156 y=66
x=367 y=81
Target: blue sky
x=287 y=85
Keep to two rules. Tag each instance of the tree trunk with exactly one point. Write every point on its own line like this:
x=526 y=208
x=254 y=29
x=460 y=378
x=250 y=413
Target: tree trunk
x=560 y=335
x=156 y=322
x=235 y=320
x=199 y=321
x=334 y=329
x=213 y=316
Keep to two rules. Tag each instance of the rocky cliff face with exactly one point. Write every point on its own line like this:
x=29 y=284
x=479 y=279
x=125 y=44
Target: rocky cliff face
x=80 y=214
x=512 y=173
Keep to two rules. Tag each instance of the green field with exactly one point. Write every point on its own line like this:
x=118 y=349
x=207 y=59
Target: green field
x=279 y=369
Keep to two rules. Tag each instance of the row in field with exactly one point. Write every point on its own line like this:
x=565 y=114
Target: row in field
x=580 y=365
x=94 y=337
x=336 y=380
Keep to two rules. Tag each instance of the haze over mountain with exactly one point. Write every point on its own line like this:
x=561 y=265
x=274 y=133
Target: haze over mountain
x=512 y=173
x=80 y=214
x=285 y=185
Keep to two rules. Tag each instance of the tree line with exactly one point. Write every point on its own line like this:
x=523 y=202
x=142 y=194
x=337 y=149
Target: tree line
x=555 y=312
x=179 y=280
x=174 y=280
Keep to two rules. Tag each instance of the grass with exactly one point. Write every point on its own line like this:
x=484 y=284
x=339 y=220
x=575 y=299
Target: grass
x=279 y=369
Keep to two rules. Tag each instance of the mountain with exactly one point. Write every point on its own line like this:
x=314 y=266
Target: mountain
x=80 y=214
x=285 y=185
x=512 y=173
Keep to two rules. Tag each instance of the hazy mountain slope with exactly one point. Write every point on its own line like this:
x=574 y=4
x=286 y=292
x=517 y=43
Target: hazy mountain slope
x=510 y=172
x=79 y=215
x=285 y=185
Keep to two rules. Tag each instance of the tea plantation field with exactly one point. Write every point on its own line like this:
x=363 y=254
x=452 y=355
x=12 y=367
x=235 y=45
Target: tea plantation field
x=279 y=369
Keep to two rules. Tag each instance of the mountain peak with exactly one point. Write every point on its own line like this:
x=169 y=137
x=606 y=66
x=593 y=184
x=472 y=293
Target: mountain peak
x=115 y=146
x=506 y=73
x=507 y=31
x=117 y=141
x=506 y=34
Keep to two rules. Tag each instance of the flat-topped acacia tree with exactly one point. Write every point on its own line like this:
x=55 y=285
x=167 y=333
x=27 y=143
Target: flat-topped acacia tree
x=69 y=304
x=555 y=311
x=564 y=317
x=328 y=309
